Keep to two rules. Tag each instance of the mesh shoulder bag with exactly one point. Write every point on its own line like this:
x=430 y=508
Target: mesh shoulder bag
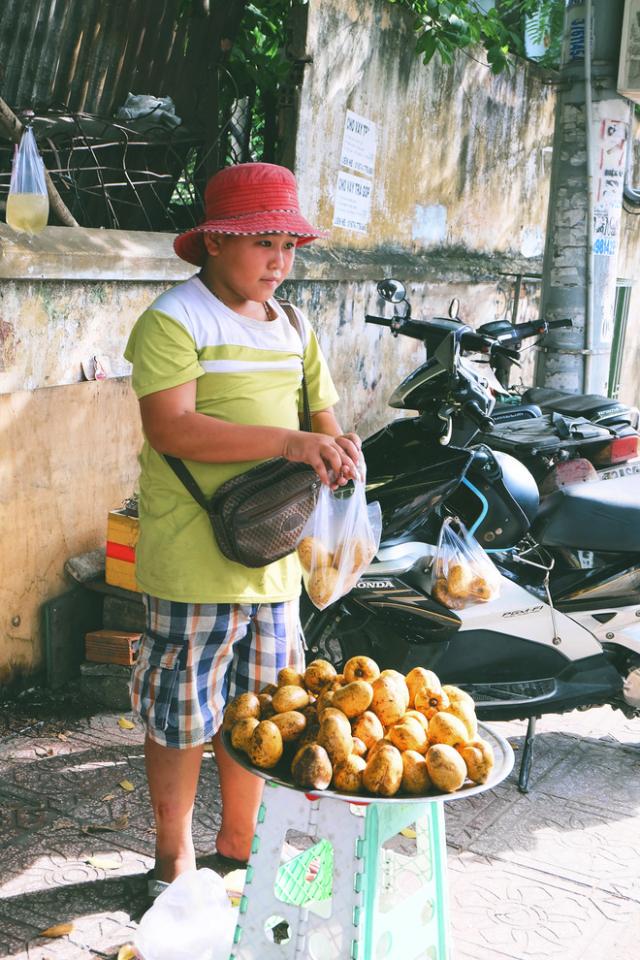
x=258 y=516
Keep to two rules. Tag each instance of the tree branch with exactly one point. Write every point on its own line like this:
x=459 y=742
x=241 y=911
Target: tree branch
x=14 y=130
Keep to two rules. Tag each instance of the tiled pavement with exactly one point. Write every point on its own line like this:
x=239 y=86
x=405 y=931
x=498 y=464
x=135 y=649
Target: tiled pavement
x=553 y=874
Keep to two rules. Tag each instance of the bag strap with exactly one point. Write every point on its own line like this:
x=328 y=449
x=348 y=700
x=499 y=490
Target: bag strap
x=179 y=467
x=182 y=472
x=294 y=320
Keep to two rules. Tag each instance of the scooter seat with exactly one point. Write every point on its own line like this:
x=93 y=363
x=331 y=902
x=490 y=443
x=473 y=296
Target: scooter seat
x=592 y=406
x=600 y=516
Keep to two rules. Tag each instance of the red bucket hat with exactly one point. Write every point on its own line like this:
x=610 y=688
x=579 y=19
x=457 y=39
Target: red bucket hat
x=244 y=200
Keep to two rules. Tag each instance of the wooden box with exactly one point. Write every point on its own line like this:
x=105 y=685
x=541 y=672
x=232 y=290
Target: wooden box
x=112 y=646
x=120 y=563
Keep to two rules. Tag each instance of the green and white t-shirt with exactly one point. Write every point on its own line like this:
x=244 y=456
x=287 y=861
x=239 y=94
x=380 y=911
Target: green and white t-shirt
x=247 y=371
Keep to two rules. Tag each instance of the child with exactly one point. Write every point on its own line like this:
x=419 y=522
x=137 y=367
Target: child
x=217 y=367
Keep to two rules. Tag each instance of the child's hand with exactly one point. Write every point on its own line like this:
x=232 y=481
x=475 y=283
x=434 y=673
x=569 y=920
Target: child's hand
x=324 y=454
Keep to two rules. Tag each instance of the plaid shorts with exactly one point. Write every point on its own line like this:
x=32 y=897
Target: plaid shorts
x=195 y=657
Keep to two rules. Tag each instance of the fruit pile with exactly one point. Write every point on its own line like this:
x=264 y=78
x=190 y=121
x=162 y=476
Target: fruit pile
x=362 y=731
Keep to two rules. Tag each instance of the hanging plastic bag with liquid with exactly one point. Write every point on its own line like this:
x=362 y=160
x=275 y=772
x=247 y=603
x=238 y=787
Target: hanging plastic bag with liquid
x=28 y=201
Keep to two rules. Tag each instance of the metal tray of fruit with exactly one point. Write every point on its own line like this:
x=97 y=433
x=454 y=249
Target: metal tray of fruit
x=280 y=774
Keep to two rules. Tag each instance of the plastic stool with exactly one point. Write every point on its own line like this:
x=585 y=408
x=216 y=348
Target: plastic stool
x=365 y=902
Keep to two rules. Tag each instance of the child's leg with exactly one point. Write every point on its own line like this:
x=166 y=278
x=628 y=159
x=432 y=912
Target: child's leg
x=177 y=690
x=173 y=780
x=273 y=641
x=241 y=794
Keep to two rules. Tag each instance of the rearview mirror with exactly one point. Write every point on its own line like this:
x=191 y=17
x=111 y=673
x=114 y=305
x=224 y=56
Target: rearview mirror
x=393 y=291
x=454 y=308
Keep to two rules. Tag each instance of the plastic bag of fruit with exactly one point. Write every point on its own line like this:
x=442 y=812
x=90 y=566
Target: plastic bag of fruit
x=339 y=541
x=462 y=572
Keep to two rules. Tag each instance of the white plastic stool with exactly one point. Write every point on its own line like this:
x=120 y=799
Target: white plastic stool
x=383 y=904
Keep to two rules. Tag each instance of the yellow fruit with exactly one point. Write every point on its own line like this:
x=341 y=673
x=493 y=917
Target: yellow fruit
x=400 y=680
x=266 y=706
x=335 y=741
x=241 y=733
x=388 y=701
x=289 y=697
x=445 y=728
x=367 y=728
x=382 y=775
x=347 y=775
x=339 y=716
x=466 y=713
x=266 y=746
x=354 y=698
x=246 y=705
x=415 y=774
x=322 y=584
x=361 y=668
x=353 y=555
x=420 y=717
x=311 y=767
x=420 y=679
x=318 y=675
x=429 y=702
x=288 y=676
x=324 y=700
x=409 y=734
x=459 y=579
x=291 y=724
x=373 y=749
x=359 y=747
x=313 y=553
x=446 y=767
x=455 y=693
x=478 y=757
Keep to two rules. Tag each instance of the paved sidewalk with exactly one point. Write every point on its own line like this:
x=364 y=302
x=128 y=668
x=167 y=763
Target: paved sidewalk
x=554 y=874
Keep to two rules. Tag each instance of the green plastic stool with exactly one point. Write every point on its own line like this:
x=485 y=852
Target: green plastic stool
x=368 y=900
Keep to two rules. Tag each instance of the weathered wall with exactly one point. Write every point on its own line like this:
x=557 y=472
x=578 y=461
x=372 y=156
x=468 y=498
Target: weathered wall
x=68 y=457
x=461 y=154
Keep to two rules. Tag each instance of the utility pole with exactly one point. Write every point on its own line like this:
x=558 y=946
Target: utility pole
x=591 y=139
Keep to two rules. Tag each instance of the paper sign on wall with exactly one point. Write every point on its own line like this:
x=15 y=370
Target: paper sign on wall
x=352 y=209
x=358 y=144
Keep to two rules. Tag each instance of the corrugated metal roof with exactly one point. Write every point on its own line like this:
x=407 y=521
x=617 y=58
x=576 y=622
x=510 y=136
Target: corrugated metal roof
x=88 y=54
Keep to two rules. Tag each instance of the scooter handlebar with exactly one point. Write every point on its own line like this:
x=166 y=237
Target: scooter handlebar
x=476 y=415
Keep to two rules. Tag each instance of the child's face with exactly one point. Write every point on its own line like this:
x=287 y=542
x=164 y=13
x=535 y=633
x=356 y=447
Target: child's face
x=250 y=268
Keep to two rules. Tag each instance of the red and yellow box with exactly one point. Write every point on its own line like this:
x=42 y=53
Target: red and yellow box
x=120 y=563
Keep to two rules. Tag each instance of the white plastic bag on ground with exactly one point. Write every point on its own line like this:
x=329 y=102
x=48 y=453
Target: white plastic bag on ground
x=191 y=920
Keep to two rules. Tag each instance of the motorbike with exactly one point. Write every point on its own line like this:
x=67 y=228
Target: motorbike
x=561 y=437
x=559 y=636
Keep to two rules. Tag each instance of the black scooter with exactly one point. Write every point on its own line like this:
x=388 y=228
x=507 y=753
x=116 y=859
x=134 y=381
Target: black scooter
x=558 y=636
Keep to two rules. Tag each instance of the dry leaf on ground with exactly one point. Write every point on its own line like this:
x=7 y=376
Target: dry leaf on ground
x=120 y=824
x=127 y=952
x=109 y=796
x=125 y=724
x=126 y=785
x=104 y=863
x=59 y=930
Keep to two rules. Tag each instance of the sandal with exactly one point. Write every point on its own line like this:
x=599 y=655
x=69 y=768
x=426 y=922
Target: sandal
x=222 y=864
x=154 y=887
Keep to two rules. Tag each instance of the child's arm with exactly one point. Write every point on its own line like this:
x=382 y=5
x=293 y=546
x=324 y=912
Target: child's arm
x=172 y=425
